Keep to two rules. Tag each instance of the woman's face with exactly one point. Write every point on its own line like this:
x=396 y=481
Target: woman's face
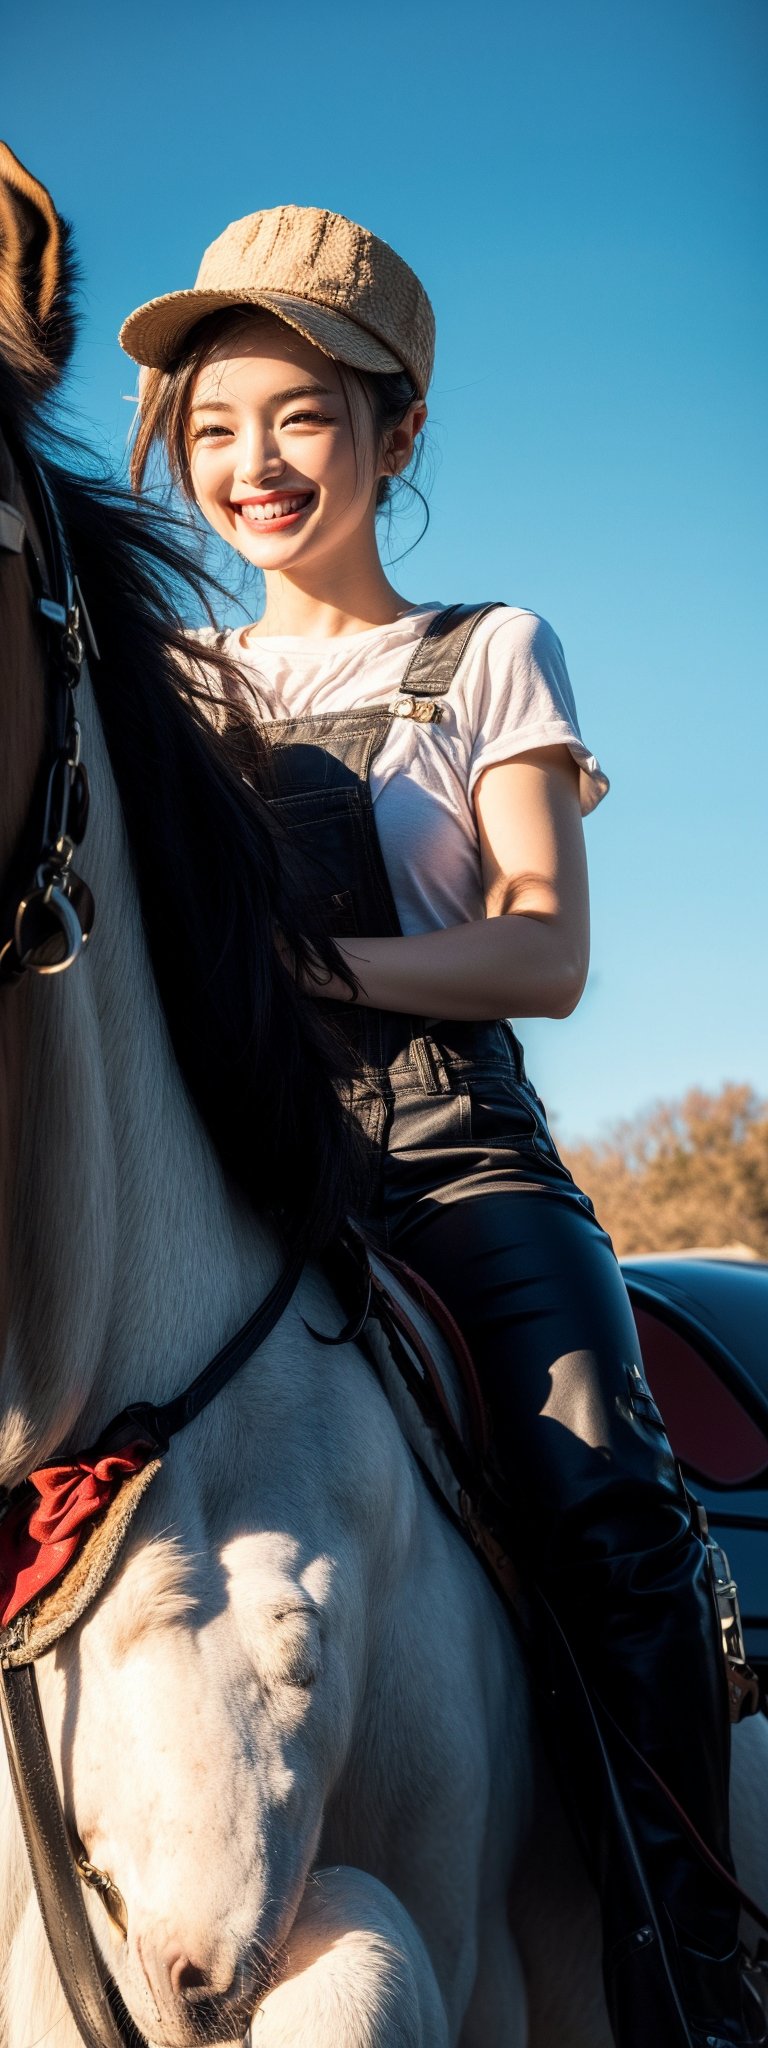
x=276 y=467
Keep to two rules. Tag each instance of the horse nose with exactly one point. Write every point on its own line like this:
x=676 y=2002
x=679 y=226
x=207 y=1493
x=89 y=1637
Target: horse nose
x=183 y=1975
x=171 y=1972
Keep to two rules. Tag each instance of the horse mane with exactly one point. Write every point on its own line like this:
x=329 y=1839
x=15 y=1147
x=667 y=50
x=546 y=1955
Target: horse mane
x=214 y=873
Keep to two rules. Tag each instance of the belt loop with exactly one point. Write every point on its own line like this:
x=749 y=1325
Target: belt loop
x=428 y=1061
x=423 y=1064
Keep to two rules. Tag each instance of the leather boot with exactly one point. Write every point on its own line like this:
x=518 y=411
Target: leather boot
x=658 y=1695
x=723 y=1998
x=699 y=1915
x=640 y=1987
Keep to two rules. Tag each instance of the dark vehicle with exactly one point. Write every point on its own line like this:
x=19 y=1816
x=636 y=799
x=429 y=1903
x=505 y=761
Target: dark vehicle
x=703 y=1325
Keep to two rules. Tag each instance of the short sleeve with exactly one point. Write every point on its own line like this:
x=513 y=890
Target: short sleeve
x=518 y=696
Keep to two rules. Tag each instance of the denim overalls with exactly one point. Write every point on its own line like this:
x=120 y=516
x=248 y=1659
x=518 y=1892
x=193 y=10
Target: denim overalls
x=469 y=1190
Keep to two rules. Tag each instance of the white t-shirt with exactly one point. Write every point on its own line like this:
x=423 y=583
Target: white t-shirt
x=511 y=693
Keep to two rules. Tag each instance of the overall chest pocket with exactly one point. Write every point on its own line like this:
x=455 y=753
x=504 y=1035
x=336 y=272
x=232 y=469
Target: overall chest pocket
x=328 y=835
x=334 y=835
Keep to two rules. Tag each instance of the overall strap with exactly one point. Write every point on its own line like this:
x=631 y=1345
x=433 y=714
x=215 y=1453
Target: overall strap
x=435 y=660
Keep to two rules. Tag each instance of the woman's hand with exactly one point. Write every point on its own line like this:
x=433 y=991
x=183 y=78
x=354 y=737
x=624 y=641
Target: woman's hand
x=312 y=976
x=528 y=957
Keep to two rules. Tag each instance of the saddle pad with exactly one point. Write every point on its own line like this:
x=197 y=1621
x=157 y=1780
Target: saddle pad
x=430 y=1382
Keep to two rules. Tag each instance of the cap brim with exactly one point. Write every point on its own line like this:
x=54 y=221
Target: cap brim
x=154 y=335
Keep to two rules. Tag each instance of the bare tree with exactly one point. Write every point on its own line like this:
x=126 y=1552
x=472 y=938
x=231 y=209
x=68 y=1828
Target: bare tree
x=686 y=1173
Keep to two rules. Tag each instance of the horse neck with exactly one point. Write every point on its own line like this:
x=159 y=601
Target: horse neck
x=132 y=1260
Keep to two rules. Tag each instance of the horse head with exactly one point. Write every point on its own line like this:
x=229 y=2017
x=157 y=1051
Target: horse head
x=207 y=1721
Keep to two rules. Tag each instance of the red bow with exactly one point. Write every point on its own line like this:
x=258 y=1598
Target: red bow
x=36 y=1547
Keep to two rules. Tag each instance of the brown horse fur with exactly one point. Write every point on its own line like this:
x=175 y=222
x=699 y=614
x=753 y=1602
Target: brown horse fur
x=36 y=276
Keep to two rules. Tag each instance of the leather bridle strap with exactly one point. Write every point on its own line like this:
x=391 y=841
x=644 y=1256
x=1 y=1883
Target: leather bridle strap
x=56 y=1881
x=46 y=910
x=162 y=1423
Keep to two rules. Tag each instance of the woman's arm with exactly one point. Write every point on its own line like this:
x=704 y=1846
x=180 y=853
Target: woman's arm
x=528 y=957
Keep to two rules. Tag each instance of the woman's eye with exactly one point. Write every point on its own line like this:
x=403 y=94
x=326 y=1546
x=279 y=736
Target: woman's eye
x=209 y=432
x=315 y=419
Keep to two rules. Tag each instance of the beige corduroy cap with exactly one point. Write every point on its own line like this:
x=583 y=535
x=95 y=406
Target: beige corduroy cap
x=333 y=281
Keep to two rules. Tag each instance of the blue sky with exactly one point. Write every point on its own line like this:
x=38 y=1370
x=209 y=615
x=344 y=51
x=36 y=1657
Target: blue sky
x=581 y=185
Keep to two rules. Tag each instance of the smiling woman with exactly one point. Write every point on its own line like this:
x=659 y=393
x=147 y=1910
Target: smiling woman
x=428 y=763
x=309 y=445
x=316 y=437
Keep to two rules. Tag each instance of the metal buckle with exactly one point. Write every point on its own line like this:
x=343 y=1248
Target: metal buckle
x=727 y=1597
x=743 y=1684
x=112 y=1899
x=48 y=918
x=423 y=709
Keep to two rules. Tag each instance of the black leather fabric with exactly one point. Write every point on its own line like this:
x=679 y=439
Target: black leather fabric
x=437 y=654
x=56 y=1881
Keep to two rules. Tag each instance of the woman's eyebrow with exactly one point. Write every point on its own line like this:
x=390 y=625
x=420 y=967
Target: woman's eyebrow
x=277 y=397
x=302 y=391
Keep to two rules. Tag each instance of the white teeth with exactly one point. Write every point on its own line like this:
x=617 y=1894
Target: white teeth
x=277 y=508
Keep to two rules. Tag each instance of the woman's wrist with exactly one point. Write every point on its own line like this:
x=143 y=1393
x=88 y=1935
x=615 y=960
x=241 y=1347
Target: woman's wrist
x=311 y=974
x=314 y=978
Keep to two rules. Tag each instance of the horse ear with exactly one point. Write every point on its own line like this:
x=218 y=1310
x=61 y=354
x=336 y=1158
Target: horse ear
x=35 y=264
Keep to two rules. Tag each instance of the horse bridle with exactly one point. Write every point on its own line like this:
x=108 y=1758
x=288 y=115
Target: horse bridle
x=46 y=916
x=46 y=909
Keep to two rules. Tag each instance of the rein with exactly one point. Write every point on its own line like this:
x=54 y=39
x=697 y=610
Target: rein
x=46 y=910
x=46 y=916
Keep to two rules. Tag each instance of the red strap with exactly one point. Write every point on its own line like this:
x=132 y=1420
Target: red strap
x=37 y=1543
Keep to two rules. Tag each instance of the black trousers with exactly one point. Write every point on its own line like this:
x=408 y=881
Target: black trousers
x=472 y=1193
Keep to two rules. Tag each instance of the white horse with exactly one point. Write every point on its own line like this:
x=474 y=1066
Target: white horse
x=295 y=1726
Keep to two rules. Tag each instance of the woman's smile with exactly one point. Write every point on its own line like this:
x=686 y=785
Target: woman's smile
x=274 y=509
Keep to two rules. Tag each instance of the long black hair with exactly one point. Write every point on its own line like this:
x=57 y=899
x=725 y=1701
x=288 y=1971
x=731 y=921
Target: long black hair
x=215 y=879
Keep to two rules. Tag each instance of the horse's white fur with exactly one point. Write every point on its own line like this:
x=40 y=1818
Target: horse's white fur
x=294 y=1727
x=297 y=1649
